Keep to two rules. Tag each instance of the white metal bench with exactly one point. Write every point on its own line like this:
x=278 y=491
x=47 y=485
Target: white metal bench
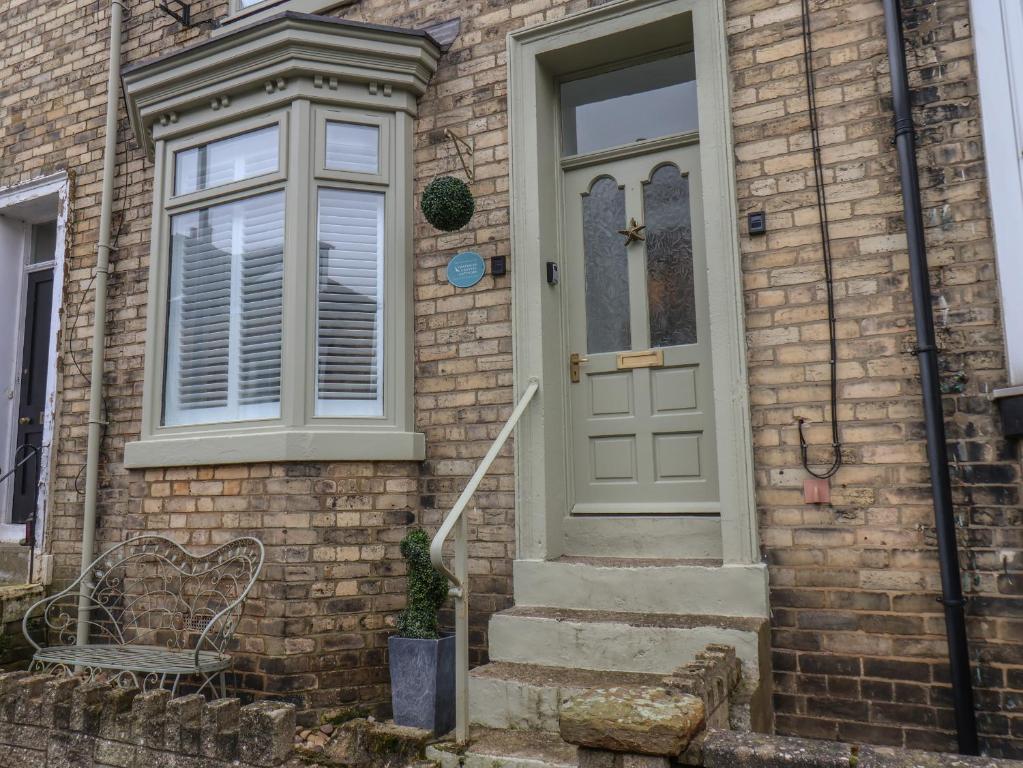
x=155 y=613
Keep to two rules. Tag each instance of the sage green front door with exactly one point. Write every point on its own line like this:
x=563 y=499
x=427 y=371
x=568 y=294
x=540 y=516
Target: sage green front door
x=641 y=394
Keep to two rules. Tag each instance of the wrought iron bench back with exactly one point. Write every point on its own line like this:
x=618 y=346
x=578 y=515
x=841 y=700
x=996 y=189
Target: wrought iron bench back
x=151 y=591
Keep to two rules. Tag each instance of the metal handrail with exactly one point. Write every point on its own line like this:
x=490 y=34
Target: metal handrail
x=24 y=460
x=459 y=577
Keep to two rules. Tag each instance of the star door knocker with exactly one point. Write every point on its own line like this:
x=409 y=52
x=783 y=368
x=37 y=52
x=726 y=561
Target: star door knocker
x=632 y=234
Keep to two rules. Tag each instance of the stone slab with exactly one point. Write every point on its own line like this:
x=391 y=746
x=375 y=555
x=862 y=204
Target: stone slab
x=887 y=757
x=645 y=720
x=730 y=749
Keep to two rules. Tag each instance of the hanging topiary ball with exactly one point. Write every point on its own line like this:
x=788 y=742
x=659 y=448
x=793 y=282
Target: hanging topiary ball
x=447 y=203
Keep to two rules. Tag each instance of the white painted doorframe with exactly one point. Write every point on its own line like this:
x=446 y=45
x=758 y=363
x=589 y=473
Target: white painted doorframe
x=16 y=202
x=998 y=34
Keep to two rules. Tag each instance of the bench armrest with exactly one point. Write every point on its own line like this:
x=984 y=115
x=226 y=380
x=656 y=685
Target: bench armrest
x=61 y=612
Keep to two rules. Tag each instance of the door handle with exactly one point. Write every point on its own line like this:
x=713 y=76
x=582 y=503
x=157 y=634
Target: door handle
x=574 y=361
x=25 y=420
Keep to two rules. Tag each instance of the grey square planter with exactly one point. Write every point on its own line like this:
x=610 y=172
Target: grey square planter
x=423 y=682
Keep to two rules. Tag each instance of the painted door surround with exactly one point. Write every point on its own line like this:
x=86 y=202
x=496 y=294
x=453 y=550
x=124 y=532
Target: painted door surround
x=538 y=56
x=642 y=394
x=998 y=32
x=43 y=199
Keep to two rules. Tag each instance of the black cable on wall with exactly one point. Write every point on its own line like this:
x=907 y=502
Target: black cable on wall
x=822 y=215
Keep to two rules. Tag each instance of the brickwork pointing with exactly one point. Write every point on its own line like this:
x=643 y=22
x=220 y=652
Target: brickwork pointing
x=71 y=723
x=857 y=635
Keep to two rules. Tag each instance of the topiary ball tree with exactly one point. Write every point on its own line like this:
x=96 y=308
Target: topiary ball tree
x=447 y=203
x=427 y=589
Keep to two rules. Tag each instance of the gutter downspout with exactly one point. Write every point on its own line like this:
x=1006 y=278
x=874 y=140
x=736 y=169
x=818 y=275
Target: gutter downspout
x=99 y=328
x=927 y=356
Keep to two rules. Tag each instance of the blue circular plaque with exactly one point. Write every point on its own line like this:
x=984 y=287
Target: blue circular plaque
x=466 y=269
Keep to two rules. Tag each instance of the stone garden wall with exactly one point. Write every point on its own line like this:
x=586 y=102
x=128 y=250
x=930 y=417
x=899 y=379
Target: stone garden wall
x=68 y=723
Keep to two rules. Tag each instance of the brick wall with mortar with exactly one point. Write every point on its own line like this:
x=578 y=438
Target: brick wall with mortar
x=856 y=625
x=858 y=637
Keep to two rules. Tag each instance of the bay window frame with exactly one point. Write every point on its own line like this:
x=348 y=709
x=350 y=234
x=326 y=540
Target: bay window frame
x=297 y=71
x=301 y=173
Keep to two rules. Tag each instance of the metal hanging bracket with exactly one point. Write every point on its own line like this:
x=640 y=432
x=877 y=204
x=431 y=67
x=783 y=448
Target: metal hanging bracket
x=466 y=149
x=183 y=14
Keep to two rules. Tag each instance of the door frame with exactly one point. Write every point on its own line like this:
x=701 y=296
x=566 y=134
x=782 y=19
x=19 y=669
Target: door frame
x=1000 y=83
x=537 y=57
x=53 y=189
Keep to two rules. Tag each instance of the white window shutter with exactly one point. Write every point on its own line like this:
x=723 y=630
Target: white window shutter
x=349 y=303
x=224 y=329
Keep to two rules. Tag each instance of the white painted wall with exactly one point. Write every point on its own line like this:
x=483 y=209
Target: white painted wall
x=998 y=35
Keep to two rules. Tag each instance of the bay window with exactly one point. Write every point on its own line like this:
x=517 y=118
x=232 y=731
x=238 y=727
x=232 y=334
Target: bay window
x=279 y=324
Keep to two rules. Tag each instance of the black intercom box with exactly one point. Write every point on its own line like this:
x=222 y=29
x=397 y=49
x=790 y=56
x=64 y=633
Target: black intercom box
x=1010 y=408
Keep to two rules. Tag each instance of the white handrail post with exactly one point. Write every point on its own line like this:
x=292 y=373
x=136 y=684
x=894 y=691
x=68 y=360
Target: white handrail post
x=462 y=631
x=458 y=524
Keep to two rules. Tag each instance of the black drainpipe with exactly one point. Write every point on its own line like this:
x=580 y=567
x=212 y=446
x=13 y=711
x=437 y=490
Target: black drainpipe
x=927 y=355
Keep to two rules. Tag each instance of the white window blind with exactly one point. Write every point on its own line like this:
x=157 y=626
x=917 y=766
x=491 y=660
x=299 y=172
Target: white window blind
x=224 y=325
x=224 y=161
x=353 y=147
x=349 y=312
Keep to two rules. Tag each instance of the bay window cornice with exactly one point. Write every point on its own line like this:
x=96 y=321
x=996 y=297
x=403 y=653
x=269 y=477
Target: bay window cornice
x=288 y=56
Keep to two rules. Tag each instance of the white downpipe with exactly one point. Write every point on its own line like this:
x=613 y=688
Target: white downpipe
x=99 y=328
x=459 y=578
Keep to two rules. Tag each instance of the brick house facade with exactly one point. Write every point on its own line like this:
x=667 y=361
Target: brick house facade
x=857 y=638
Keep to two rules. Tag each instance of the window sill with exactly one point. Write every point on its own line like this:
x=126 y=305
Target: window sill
x=280 y=445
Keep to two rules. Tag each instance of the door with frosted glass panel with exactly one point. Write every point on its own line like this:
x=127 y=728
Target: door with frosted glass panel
x=639 y=357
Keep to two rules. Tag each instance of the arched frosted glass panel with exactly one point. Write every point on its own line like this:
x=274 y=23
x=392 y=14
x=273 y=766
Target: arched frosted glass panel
x=643 y=101
x=607 y=268
x=669 y=258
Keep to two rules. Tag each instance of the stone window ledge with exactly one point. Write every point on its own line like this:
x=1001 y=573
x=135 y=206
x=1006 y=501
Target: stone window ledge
x=272 y=446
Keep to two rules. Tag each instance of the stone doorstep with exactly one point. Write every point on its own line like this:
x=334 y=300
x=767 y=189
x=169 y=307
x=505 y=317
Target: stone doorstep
x=505 y=695
x=616 y=641
x=676 y=587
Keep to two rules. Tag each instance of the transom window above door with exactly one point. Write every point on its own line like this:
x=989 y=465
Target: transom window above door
x=628 y=104
x=279 y=323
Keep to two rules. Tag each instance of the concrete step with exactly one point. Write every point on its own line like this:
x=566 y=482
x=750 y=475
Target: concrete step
x=491 y=748
x=622 y=642
x=527 y=696
x=643 y=586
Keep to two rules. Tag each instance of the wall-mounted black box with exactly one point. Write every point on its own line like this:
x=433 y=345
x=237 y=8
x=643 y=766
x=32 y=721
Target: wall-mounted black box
x=1010 y=407
x=756 y=222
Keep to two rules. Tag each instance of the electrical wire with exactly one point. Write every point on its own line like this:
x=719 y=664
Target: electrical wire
x=85 y=295
x=822 y=215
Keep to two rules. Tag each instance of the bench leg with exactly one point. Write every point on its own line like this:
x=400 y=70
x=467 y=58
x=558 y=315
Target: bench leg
x=223 y=685
x=174 y=688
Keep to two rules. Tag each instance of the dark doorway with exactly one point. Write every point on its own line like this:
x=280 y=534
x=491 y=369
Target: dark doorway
x=32 y=397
